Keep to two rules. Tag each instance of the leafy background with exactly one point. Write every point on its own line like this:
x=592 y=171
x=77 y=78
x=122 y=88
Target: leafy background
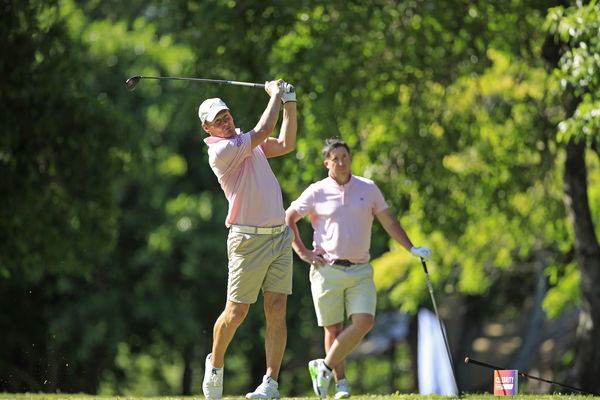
x=479 y=121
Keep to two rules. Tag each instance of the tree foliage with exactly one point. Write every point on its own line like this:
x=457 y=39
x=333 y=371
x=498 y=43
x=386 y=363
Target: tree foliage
x=576 y=28
x=112 y=250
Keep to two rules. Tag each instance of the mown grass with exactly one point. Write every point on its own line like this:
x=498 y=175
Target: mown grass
x=482 y=396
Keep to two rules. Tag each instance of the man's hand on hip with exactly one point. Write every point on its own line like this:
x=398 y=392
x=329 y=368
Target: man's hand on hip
x=313 y=258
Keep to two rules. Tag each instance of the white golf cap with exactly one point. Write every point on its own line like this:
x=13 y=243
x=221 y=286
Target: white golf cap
x=210 y=108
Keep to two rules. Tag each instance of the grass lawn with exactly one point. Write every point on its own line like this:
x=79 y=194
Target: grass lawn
x=30 y=396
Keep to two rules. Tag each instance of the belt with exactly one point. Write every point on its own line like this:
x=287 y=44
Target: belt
x=344 y=263
x=257 y=230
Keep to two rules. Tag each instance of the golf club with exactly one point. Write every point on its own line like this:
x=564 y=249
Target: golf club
x=132 y=82
x=440 y=323
x=469 y=360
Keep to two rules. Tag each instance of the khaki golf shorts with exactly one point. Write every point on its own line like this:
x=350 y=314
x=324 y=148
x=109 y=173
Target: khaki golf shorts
x=337 y=290
x=259 y=261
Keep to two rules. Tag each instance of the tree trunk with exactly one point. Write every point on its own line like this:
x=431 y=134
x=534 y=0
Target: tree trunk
x=586 y=369
x=534 y=321
x=186 y=379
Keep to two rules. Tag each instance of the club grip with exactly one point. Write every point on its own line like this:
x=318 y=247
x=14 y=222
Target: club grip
x=288 y=88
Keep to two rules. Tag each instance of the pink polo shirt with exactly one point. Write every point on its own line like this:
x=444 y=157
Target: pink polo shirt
x=342 y=216
x=246 y=177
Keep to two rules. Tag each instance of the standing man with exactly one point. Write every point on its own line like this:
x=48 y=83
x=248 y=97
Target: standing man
x=259 y=243
x=341 y=209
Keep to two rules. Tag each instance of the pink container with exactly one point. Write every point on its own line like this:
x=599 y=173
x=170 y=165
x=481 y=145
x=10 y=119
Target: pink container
x=506 y=382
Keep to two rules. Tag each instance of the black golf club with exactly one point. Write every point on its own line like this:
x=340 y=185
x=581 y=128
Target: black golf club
x=469 y=360
x=132 y=82
x=440 y=323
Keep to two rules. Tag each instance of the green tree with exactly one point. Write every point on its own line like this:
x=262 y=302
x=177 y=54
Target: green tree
x=573 y=49
x=62 y=149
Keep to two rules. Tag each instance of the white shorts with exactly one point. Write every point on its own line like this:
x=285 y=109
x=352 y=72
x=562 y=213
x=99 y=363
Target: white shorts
x=339 y=291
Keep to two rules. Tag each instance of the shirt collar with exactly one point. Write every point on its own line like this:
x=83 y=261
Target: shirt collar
x=216 y=139
x=347 y=184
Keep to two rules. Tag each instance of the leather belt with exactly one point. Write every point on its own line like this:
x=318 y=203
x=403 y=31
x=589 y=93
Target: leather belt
x=344 y=263
x=256 y=230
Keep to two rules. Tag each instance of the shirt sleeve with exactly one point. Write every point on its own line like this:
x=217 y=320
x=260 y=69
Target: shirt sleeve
x=227 y=155
x=379 y=203
x=304 y=204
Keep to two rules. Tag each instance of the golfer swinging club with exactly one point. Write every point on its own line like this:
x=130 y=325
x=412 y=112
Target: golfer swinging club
x=259 y=243
x=341 y=209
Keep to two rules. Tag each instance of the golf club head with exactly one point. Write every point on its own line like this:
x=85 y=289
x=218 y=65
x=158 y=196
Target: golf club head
x=132 y=82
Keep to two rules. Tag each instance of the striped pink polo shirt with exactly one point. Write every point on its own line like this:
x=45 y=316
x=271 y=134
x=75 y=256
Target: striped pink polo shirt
x=342 y=216
x=253 y=193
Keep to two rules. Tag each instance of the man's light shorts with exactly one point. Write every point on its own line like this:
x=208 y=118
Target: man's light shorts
x=258 y=261
x=336 y=289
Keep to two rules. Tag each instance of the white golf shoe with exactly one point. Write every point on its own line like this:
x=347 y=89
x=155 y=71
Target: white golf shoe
x=320 y=376
x=342 y=389
x=266 y=390
x=212 y=386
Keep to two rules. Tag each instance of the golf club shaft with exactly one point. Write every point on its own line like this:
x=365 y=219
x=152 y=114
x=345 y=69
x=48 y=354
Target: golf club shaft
x=258 y=85
x=133 y=81
x=440 y=322
x=495 y=367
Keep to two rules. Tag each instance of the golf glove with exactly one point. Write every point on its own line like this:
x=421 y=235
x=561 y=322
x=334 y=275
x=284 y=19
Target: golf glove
x=288 y=96
x=423 y=252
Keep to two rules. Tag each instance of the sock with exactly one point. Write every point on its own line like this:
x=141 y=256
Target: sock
x=213 y=367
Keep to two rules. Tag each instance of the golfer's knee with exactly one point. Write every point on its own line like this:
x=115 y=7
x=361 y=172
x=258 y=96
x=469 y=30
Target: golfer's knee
x=275 y=307
x=364 y=323
x=334 y=330
x=235 y=315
